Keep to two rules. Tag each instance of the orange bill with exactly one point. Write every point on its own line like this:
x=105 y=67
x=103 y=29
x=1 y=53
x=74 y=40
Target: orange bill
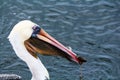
x=45 y=44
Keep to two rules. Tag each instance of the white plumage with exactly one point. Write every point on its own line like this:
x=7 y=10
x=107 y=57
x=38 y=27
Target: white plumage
x=21 y=32
x=27 y=39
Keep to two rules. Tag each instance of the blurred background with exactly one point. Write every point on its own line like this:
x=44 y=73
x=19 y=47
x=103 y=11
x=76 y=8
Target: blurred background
x=90 y=27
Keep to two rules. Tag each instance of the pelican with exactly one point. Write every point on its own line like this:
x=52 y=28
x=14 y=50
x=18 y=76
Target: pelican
x=28 y=39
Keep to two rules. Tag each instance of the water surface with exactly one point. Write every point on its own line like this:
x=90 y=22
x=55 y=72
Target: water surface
x=90 y=27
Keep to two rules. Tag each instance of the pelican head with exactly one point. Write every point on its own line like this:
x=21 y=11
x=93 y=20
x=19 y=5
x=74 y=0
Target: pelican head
x=28 y=39
x=24 y=29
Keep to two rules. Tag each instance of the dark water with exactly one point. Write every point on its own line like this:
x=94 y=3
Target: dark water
x=90 y=27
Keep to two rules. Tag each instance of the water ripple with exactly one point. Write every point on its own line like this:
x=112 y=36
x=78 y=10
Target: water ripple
x=90 y=27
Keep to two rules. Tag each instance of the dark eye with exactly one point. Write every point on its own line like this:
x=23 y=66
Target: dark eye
x=34 y=27
x=36 y=30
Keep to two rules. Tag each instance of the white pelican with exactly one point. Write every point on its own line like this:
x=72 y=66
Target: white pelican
x=28 y=39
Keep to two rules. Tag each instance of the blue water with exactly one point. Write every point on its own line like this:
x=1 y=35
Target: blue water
x=90 y=27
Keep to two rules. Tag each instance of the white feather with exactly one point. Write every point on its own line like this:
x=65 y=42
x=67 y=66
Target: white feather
x=21 y=32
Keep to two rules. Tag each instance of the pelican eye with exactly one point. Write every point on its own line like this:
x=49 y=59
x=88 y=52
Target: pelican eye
x=36 y=30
